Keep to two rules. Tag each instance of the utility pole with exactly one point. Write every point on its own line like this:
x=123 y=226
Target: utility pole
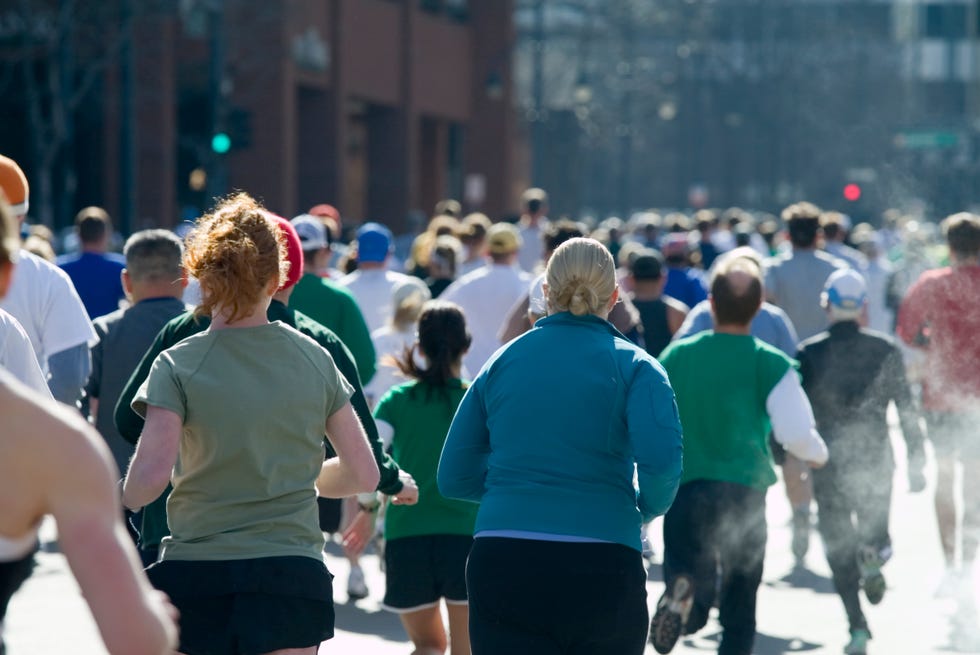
x=127 y=132
x=626 y=126
x=537 y=124
x=218 y=170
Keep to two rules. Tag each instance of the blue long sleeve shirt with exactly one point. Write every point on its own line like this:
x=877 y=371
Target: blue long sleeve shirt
x=549 y=434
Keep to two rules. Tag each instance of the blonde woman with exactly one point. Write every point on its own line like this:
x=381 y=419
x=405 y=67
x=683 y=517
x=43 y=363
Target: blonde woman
x=235 y=420
x=547 y=439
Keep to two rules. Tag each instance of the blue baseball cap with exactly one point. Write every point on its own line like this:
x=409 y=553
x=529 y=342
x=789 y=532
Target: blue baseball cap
x=374 y=242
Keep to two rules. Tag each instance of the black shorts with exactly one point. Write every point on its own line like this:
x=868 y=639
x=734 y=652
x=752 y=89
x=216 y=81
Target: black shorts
x=543 y=597
x=248 y=607
x=422 y=570
x=954 y=434
x=329 y=510
x=12 y=576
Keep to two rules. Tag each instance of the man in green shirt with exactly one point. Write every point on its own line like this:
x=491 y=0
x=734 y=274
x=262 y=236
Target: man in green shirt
x=327 y=303
x=747 y=388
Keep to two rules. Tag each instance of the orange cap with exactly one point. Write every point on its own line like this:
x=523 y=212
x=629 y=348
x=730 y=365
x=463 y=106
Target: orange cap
x=13 y=184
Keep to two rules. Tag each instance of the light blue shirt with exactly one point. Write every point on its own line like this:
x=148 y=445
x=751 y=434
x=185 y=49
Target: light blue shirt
x=549 y=434
x=770 y=325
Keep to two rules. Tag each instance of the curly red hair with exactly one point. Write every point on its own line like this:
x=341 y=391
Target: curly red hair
x=236 y=252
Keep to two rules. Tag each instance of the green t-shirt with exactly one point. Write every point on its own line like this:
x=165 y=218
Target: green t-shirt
x=420 y=415
x=254 y=404
x=722 y=382
x=334 y=307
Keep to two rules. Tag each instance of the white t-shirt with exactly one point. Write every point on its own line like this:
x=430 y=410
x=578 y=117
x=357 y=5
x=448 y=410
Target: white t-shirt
x=532 y=250
x=372 y=289
x=17 y=355
x=388 y=341
x=43 y=300
x=486 y=296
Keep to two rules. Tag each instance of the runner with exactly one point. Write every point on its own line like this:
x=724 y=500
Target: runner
x=850 y=375
x=718 y=518
x=547 y=439
x=235 y=417
x=426 y=545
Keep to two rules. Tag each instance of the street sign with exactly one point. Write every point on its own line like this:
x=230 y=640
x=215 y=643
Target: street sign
x=927 y=139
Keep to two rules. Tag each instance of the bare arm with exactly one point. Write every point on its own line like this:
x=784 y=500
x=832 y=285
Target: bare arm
x=675 y=318
x=154 y=459
x=132 y=617
x=354 y=470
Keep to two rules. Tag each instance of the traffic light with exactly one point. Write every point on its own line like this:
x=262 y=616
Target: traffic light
x=852 y=192
x=220 y=143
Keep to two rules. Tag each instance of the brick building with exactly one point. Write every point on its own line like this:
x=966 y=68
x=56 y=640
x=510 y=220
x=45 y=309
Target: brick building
x=379 y=107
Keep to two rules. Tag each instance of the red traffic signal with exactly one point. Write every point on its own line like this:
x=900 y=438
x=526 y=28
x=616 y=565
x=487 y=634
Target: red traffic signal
x=852 y=192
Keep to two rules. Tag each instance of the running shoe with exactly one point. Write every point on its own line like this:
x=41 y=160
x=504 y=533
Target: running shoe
x=801 y=534
x=858 y=645
x=872 y=580
x=356 y=586
x=670 y=618
x=951 y=583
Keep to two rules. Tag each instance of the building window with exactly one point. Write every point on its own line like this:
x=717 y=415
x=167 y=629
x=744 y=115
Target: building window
x=945 y=21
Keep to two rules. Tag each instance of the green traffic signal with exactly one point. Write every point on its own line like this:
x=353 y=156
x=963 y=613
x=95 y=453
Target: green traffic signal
x=220 y=143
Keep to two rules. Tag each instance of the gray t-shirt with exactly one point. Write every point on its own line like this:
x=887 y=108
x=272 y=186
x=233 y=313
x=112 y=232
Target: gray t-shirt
x=794 y=282
x=124 y=337
x=254 y=402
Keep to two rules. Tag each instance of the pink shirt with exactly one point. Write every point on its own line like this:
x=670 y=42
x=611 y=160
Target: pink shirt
x=943 y=309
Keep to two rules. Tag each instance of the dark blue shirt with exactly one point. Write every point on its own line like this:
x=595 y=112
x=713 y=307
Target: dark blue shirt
x=96 y=277
x=686 y=284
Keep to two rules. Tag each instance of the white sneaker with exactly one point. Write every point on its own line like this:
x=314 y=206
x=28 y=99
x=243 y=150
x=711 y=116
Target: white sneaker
x=356 y=586
x=950 y=585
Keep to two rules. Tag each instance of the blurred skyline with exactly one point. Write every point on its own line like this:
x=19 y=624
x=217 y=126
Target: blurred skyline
x=383 y=107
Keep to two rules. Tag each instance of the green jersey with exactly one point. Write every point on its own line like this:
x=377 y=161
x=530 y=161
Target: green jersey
x=420 y=415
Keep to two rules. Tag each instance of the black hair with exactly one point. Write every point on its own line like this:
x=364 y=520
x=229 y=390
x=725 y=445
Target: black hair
x=443 y=338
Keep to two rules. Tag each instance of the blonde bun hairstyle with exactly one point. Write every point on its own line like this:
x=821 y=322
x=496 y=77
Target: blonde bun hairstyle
x=581 y=278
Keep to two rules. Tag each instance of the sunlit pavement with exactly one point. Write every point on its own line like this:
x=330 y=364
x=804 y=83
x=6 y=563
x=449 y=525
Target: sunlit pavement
x=798 y=611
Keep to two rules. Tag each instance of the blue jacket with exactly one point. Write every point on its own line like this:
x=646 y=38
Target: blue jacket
x=547 y=436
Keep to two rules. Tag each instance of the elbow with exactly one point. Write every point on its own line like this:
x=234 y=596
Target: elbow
x=367 y=477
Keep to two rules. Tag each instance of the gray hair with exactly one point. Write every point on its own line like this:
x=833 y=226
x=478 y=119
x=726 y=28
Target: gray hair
x=154 y=256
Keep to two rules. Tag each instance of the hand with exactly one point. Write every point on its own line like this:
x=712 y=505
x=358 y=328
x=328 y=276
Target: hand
x=409 y=495
x=164 y=601
x=917 y=480
x=359 y=532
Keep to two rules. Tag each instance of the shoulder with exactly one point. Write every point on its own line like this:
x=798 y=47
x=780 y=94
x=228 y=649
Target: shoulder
x=42 y=272
x=830 y=261
x=103 y=324
x=53 y=431
x=7 y=321
x=349 y=279
x=776 y=261
x=815 y=342
x=675 y=304
x=313 y=328
x=296 y=336
x=182 y=326
x=773 y=311
x=880 y=339
x=772 y=355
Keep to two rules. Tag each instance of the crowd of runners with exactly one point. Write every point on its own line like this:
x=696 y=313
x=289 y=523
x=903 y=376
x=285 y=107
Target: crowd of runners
x=501 y=409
